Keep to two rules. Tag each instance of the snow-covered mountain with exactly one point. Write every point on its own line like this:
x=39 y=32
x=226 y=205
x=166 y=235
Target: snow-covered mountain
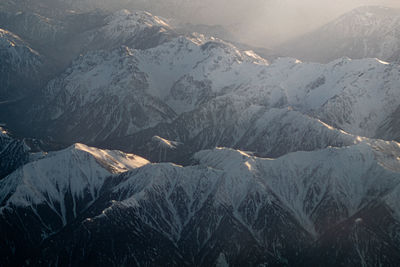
x=218 y=31
x=137 y=29
x=229 y=205
x=302 y=182
x=74 y=171
x=265 y=132
x=53 y=191
x=365 y=32
x=33 y=27
x=19 y=66
x=145 y=85
x=160 y=76
x=188 y=74
x=57 y=37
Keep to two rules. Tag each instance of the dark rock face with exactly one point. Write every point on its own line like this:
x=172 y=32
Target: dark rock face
x=19 y=67
x=366 y=239
x=13 y=154
x=390 y=128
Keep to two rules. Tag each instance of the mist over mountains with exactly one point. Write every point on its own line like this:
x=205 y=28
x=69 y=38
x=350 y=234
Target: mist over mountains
x=258 y=23
x=363 y=32
x=149 y=133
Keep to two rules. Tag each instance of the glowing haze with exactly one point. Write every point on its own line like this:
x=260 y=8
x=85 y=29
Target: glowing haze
x=269 y=22
x=285 y=19
x=258 y=22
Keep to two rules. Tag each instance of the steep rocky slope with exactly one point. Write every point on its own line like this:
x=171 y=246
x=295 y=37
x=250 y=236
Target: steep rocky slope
x=19 y=66
x=13 y=153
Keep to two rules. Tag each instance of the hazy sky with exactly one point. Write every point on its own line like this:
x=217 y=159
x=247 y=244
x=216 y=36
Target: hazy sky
x=269 y=22
x=259 y=22
x=283 y=19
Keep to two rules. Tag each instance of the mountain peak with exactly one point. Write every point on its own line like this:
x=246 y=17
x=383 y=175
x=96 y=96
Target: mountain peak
x=368 y=15
x=132 y=19
x=75 y=171
x=113 y=160
x=365 y=32
x=374 y=11
x=136 y=29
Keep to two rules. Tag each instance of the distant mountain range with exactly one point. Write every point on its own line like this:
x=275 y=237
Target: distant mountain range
x=365 y=32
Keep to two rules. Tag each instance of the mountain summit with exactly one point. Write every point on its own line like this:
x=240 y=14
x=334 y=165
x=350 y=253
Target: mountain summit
x=365 y=32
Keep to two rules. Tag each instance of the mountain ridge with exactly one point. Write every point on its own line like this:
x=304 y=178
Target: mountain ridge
x=368 y=31
x=234 y=183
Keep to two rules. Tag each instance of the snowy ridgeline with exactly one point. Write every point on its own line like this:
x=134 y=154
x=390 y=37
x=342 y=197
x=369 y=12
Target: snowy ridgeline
x=310 y=192
x=78 y=170
x=177 y=75
x=135 y=72
x=364 y=32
